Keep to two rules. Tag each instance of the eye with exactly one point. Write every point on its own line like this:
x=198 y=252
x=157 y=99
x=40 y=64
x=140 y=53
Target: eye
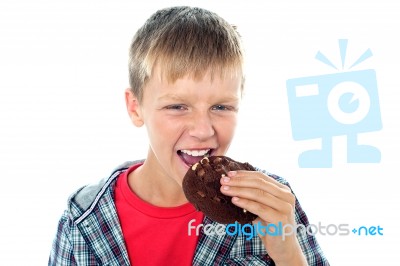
x=176 y=107
x=220 y=107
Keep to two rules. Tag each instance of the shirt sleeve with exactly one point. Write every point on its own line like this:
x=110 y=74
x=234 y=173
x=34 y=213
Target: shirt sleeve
x=308 y=242
x=62 y=249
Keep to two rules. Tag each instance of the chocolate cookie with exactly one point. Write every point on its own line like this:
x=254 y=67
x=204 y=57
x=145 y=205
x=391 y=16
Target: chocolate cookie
x=201 y=186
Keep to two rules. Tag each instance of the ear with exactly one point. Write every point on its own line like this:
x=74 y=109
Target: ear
x=133 y=108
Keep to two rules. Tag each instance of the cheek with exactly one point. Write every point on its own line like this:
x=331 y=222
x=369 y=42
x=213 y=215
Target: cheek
x=226 y=130
x=163 y=129
x=154 y=126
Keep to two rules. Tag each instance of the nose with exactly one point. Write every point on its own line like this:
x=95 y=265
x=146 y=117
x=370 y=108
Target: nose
x=201 y=126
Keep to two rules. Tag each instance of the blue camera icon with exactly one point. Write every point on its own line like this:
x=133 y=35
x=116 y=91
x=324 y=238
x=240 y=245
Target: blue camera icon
x=325 y=106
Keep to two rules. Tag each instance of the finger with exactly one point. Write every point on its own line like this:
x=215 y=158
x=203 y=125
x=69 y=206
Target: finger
x=243 y=173
x=258 y=195
x=264 y=212
x=261 y=187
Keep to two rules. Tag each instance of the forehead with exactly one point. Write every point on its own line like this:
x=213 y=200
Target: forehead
x=213 y=73
x=208 y=85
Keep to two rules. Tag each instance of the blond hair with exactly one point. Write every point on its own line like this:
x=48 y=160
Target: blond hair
x=184 y=41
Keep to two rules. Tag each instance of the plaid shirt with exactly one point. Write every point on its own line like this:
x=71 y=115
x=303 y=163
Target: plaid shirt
x=89 y=233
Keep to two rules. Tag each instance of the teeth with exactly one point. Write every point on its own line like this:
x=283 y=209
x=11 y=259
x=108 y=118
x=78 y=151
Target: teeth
x=196 y=152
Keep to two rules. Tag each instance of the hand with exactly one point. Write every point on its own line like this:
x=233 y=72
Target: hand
x=274 y=203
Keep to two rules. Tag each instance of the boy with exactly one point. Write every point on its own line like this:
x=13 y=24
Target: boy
x=186 y=79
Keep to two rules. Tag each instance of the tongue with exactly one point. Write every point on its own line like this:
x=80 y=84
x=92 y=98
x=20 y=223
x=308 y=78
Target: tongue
x=190 y=160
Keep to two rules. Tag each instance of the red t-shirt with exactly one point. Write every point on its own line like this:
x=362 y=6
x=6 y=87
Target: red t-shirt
x=155 y=235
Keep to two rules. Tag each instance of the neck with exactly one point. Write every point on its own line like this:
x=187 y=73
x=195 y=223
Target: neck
x=156 y=189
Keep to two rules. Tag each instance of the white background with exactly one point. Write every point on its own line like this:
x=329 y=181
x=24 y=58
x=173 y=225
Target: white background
x=63 y=70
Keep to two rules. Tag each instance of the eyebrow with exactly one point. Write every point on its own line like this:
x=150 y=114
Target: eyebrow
x=178 y=98
x=170 y=97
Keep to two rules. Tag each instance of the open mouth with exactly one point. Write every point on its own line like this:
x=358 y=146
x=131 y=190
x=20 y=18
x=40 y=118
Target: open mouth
x=190 y=157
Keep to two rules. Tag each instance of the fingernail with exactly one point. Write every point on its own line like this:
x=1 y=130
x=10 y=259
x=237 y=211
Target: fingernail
x=226 y=179
x=225 y=188
x=232 y=173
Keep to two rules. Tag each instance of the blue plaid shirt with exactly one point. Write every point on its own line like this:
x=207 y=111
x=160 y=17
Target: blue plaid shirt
x=89 y=233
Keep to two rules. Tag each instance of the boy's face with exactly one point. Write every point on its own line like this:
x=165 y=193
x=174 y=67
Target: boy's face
x=185 y=121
